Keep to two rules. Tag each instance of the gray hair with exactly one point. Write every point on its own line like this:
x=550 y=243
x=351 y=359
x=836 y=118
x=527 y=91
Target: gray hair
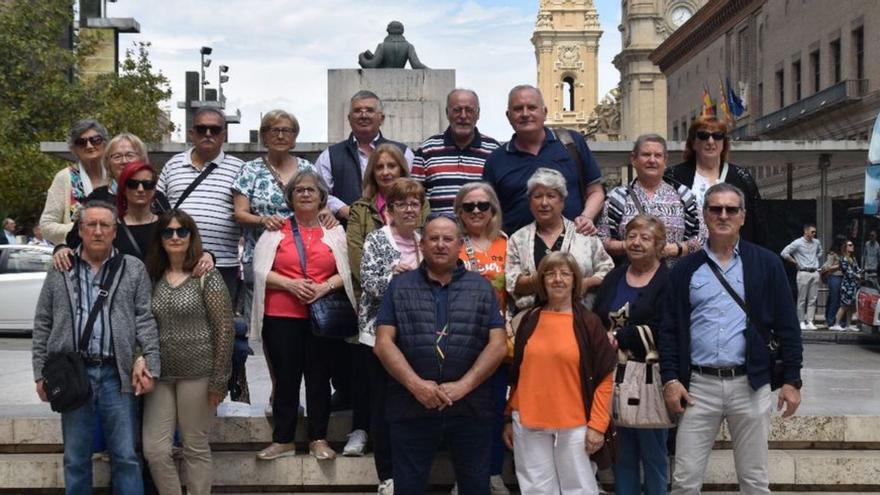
x=649 y=138
x=274 y=116
x=525 y=87
x=97 y=203
x=216 y=111
x=365 y=94
x=722 y=187
x=323 y=190
x=80 y=128
x=437 y=216
x=464 y=90
x=549 y=178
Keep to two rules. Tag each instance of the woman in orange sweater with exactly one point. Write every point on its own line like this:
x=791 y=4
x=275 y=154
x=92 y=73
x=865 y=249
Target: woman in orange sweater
x=561 y=381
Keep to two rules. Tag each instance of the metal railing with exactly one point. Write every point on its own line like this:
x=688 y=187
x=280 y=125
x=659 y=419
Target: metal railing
x=842 y=92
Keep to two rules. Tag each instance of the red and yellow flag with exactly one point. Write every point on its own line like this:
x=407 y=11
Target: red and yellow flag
x=722 y=98
x=708 y=109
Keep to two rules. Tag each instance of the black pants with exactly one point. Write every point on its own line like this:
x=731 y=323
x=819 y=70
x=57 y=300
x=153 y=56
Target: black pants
x=360 y=386
x=295 y=352
x=380 y=432
x=230 y=278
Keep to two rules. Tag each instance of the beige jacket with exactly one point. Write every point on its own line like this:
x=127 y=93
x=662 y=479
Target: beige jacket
x=55 y=221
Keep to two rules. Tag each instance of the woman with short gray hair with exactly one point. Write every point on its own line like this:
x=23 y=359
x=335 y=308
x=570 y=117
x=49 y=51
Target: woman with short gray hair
x=548 y=233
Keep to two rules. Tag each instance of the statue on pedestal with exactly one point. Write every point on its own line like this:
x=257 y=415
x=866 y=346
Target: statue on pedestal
x=393 y=52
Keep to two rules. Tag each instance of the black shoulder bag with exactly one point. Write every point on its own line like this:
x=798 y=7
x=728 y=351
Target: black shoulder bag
x=332 y=316
x=777 y=368
x=192 y=185
x=65 y=380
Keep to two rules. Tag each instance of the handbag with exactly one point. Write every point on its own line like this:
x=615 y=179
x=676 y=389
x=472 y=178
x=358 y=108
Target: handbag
x=65 y=379
x=332 y=316
x=638 y=390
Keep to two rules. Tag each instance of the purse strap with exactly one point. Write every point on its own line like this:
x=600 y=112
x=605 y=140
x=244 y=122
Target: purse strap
x=767 y=336
x=131 y=238
x=297 y=241
x=636 y=201
x=192 y=185
x=103 y=292
x=567 y=140
x=647 y=337
x=472 y=255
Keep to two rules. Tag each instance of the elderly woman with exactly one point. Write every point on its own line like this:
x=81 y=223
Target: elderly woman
x=123 y=149
x=73 y=184
x=649 y=194
x=705 y=164
x=561 y=381
x=194 y=317
x=282 y=295
x=631 y=295
x=548 y=233
x=392 y=249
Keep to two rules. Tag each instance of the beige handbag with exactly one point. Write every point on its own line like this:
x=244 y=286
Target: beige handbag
x=638 y=392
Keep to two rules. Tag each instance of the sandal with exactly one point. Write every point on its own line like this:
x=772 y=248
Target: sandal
x=276 y=450
x=321 y=450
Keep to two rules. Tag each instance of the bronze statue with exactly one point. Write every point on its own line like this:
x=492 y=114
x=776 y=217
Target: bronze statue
x=393 y=52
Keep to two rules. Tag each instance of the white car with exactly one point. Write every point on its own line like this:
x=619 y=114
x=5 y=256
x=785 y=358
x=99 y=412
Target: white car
x=22 y=271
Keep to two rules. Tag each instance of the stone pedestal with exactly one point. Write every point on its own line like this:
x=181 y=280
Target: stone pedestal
x=414 y=100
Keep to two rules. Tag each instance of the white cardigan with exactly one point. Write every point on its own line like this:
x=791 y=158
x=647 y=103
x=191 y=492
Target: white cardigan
x=264 y=258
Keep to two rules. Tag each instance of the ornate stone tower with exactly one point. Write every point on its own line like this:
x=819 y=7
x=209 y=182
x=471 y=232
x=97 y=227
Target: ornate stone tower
x=566 y=43
x=644 y=25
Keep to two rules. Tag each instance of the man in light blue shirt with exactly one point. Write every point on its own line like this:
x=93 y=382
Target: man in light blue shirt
x=805 y=253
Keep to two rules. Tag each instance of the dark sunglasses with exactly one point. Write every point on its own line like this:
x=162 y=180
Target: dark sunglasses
x=705 y=135
x=182 y=232
x=95 y=140
x=480 y=205
x=718 y=210
x=148 y=185
x=203 y=129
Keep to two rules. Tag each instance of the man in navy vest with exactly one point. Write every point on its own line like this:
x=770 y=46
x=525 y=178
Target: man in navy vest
x=342 y=165
x=440 y=336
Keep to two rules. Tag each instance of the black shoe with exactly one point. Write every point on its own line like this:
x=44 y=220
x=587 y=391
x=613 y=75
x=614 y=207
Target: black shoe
x=339 y=402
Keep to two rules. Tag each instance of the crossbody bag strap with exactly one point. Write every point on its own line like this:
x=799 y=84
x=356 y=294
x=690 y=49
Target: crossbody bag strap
x=103 y=292
x=297 y=241
x=192 y=185
x=130 y=237
x=472 y=255
x=564 y=136
x=636 y=201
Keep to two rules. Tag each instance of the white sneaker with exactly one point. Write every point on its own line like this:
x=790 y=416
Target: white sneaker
x=811 y=326
x=497 y=486
x=386 y=487
x=804 y=325
x=836 y=328
x=357 y=442
x=454 y=490
x=268 y=410
x=853 y=328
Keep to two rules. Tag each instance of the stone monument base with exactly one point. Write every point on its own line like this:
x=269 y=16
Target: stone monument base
x=414 y=100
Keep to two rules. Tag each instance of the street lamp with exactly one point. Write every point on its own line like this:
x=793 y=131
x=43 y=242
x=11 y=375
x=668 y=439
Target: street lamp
x=204 y=52
x=222 y=78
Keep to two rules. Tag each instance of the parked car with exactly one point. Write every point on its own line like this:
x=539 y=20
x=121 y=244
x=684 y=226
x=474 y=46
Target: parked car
x=22 y=271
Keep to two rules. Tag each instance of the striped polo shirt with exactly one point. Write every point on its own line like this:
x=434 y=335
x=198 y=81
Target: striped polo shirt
x=210 y=203
x=443 y=167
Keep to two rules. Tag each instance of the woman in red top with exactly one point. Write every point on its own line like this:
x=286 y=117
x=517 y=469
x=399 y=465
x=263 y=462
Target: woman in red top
x=282 y=294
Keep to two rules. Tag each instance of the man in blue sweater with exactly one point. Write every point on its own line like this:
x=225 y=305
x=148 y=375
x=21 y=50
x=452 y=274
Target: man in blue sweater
x=726 y=302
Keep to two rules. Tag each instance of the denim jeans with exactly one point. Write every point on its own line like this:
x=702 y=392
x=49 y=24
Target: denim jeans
x=645 y=448
x=118 y=417
x=833 y=301
x=414 y=444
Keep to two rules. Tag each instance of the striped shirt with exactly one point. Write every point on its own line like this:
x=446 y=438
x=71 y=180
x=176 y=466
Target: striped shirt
x=88 y=285
x=210 y=204
x=443 y=167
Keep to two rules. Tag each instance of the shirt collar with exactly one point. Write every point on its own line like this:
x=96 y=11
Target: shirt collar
x=549 y=137
x=711 y=255
x=448 y=141
x=373 y=142
x=218 y=159
x=78 y=253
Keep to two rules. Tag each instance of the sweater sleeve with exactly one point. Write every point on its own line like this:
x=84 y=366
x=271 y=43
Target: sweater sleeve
x=600 y=410
x=52 y=220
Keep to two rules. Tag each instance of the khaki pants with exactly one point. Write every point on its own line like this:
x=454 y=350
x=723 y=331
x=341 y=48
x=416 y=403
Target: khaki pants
x=182 y=403
x=808 y=291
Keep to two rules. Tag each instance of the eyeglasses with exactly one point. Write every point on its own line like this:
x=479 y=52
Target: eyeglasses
x=95 y=140
x=148 y=185
x=463 y=110
x=95 y=224
x=305 y=190
x=479 y=205
x=705 y=135
x=182 y=232
x=369 y=112
x=129 y=157
x=203 y=129
x=283 y=131
x=410 y=205
x=718 y=210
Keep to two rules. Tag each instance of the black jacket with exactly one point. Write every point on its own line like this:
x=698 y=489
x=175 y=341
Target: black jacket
x=348 y=182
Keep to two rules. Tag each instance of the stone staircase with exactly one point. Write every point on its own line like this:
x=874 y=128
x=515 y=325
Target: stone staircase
x=808 y=454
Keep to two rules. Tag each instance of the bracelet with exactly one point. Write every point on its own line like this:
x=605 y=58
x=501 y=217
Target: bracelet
x=332 y=287
x=670 y=382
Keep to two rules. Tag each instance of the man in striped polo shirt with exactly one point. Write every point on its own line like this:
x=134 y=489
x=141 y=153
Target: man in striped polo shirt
x=210 y=203
x=447 y=161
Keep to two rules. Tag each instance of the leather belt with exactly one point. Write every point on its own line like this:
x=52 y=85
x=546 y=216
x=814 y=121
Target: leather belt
x=720 y=372
x=808 y=270
x=99 y=361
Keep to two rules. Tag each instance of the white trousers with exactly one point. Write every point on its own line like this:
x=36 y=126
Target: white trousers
x=552 y=462
x=748 y=417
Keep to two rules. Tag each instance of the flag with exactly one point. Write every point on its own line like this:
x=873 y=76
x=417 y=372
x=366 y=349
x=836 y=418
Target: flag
x=734 y=103
x=722 y=102
x=707 y=103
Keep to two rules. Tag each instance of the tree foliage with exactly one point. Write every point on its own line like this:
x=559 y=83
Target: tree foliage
x=41 y=96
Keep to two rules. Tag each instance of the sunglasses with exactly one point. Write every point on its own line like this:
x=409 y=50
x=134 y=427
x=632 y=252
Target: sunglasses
x=479 y=205
x=203 y=129
x=133 y=184
x=182 y=232
x=718 y=210
x=705 y=135
x=95 y=140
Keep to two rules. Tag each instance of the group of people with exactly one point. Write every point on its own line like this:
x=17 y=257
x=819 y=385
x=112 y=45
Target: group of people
x=494 y=288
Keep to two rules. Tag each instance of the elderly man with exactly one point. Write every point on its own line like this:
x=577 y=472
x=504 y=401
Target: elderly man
x=806 y=254
x=447 y=161
x=728 y=301
x=210 y=202
x=342 y=165
x=533 y=146
x=8 y=236
x=440 y=336
x=123 y=323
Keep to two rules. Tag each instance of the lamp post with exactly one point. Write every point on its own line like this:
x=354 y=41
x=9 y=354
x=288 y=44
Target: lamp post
x=222 y=78
x=206 y=62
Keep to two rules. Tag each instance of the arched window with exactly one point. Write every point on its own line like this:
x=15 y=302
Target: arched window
x=568 y=94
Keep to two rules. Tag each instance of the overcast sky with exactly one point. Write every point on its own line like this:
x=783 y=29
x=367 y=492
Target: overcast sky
x=279 y=51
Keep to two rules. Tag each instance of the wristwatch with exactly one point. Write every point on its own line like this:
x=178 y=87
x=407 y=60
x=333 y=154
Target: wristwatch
x=795 y=383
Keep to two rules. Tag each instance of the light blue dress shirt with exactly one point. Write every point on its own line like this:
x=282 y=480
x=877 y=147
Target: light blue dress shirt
x=717 y=322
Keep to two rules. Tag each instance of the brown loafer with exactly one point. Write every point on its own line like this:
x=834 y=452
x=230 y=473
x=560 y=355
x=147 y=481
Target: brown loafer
x=276 y=450
x=321 y=450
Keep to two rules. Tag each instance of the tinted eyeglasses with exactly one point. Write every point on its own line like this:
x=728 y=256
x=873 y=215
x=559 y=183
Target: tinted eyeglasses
x=133 y=184
x=95 y=140
x=718 y=210
x=479 y=205
x=705 y=135
x=202 y=130
x=182 y=232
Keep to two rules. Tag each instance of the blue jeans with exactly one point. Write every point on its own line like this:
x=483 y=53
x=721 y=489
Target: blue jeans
x=414 y=444
x=118 y=417
x=499 y=393
x=832 y=304
x=648 y=448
